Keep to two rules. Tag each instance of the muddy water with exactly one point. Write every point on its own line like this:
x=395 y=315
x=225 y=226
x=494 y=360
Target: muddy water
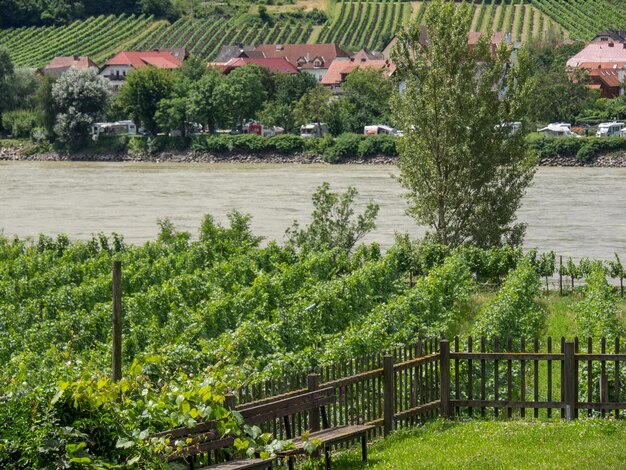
x=574 y=211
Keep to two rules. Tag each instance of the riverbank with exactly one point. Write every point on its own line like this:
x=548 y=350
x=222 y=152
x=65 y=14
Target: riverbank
x=612 y=160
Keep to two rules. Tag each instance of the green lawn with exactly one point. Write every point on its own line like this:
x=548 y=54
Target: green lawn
x=583 y=444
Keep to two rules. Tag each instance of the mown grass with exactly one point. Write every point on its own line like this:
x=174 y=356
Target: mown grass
x=582 y=444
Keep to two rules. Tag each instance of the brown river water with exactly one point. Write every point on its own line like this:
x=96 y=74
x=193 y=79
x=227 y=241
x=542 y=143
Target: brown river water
x=573 y=211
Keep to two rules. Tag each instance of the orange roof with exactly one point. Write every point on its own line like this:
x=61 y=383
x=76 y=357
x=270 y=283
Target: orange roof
x=602 y=65
x=274 y=64
x=609 y=77
x=137 y=59
x=340 y=68
x=72 y=62
x=304 y=55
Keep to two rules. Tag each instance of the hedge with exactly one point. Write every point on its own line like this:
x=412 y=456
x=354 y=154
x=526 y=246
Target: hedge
x=583 y=148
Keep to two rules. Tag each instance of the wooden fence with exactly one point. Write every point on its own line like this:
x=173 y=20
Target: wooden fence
x=476 y=378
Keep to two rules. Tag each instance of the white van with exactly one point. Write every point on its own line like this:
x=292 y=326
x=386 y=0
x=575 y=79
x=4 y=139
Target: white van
x=609 y=129
x=313 y=130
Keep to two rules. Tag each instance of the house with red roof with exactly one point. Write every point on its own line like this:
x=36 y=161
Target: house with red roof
x=311 y=58
x=59 y=65
x=116 y=68
x=339 y=69
x=273 y=64
x=605 y=62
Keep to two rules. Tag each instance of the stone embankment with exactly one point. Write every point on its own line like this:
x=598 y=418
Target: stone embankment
x=19 y=154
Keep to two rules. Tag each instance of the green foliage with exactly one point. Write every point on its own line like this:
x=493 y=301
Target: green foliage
x=142 y=91
x=514 y=311
x=596 y=314
x=20 y=123
x=286 y=143
x=583 y=148
x=79 y=97
x=240 y=95
x=346 y=145
x=332 y=224
x=464 y=171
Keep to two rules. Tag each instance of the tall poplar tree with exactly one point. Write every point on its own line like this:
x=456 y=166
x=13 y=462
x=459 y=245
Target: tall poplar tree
x=464 y=166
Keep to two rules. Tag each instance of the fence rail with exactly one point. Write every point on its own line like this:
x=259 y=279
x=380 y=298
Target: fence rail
x=477 y=378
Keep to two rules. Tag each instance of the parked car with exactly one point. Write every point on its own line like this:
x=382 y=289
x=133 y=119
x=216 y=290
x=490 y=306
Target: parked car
x=112 y=128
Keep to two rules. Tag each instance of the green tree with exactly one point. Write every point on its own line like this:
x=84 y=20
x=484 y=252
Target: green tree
x=313 y=106
x=142 y=92
x=464 y=168
x=79 y=97
x=332 y=222
x=240 y=95
x=46 y=105
x=6 y=73
x=202 y=107
x=368 y=93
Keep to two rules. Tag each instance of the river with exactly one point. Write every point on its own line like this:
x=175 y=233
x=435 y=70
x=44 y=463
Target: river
x=573 y=211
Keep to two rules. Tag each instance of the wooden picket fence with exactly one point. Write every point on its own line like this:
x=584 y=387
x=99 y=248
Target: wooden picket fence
x=474 y=378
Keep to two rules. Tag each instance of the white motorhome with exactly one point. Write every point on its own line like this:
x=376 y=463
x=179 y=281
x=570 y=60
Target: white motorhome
x=609 y=129
x=111 y=128
x=380 y=129
x=313 y=129
x=558 y=129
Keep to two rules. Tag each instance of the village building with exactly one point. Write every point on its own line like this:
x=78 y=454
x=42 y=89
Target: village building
x=339 y=69
x=605 y=62
x=59 y=65
x=228 y=52
x=273 y=64
x=116 y=68
x=311 y=58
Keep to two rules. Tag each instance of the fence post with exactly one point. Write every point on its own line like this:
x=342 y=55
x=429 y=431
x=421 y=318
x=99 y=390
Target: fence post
x=116 y=356
x=389 y=393
x=561 y=274
x=570 y=385
x=313 y=381
x=444 y=373
x=229 y=401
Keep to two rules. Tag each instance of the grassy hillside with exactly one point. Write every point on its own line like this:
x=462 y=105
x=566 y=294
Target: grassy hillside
x=351 y=23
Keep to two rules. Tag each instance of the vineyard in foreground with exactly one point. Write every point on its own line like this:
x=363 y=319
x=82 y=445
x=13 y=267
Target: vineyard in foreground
x=205 y=316
x=352 y=24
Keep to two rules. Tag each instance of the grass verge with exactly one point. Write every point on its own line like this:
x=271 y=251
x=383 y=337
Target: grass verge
x=582 y=444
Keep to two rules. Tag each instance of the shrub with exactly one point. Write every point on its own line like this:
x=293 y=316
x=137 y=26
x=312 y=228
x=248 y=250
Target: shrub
x=286 y=143
x=346 y=145
x=513 y=312
x=212 y=143
x=20 y=123
x=250 y=142
x=380 y=144
x=318 y=146
x=137 y=144
x=596 y=314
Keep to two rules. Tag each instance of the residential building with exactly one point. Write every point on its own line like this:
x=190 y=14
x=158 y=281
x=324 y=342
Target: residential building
x=60 y=65
x=227 y=53
x=614 y=35
x=311 y=58
x=339 y=69
x=273 y=64
x=116 y=68
x=605 y=62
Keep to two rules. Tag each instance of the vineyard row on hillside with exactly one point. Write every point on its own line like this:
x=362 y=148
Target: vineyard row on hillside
x=353 y=24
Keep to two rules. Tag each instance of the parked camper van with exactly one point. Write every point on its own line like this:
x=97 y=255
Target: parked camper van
x=112 y=128
x=313 y=129
x=609 y=129
x=558 y=129
x=253 y=127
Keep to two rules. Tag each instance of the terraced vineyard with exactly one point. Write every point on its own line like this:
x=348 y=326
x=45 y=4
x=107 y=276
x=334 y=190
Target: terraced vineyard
x=203 y=38
x=370 y=23
x=583 y=19
x=352 y=23
x=518 y=17
x=97 y=37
